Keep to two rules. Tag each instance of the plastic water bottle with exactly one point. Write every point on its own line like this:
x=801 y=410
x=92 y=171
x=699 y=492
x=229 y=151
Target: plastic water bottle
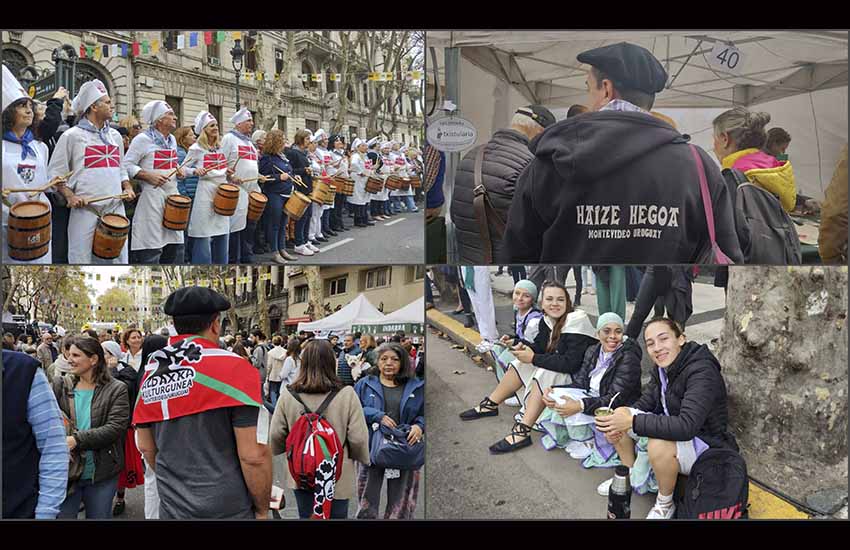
x=620 y=495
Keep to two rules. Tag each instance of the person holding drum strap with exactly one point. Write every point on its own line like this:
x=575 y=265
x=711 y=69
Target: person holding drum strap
x=242 y=159
x=339 y=166
x=93 y=153
x=359 y=171
x=297 y=155
x=209 y=231
x=24 y=160
x=276 y=167
x=152 y=158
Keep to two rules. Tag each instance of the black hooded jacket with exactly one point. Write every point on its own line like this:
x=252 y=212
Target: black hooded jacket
x=615 y=187
x=696 y=399
x=623 y=377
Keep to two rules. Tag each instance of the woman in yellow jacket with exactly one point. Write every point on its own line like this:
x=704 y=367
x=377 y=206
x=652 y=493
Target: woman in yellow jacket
x=739 y=138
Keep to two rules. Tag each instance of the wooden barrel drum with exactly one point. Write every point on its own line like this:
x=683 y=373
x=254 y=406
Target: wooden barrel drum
x=415 y=182
x=296 y=205
x=329 y=196
x=110 y=236
x=29 y=230
x=394 y=183
x=344 y=185
x=256 y=204
x=374 y=184
x=176 y=214
x=226 y=199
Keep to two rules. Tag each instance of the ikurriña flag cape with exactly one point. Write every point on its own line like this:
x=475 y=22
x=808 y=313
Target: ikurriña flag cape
x=193 y=375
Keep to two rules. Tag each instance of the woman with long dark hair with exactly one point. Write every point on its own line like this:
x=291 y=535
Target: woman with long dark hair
x=316 y=380
x=100 y=405
x=391 y=395
x=550 y=351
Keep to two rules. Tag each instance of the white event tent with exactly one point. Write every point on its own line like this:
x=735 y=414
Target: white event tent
x=358 y=311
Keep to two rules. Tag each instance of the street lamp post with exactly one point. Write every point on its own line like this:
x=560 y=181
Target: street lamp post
x=237 y=54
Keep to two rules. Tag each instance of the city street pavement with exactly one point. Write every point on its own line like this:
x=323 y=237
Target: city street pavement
x=136 y=497
x=399 y=240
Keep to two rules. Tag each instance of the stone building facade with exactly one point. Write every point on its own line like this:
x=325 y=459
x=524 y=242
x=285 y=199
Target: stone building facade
x=202 y=78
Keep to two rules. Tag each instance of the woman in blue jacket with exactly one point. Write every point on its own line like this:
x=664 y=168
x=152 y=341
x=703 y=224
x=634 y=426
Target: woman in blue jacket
x=391 y=395
x=273 y=164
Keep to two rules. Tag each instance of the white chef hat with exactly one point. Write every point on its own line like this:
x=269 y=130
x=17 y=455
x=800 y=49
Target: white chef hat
x=386 y=144
x=319 y=135
x=89 y=92
x=356 y=143
x=241 y=115
x=154 y=110
x=12 y=89
x=372 y=141
x=403 y=149
x=203 y=120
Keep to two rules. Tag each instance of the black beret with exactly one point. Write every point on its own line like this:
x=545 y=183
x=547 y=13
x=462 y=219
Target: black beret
x=628 y=65
x=195 y=300
x=539 y=114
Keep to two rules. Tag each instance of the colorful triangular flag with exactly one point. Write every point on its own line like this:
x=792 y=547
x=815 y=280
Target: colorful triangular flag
x=208 y=38
x=193 y=39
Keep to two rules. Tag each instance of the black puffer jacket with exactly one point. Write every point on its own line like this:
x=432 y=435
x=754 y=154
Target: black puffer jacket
x=696 y=399
x=567 y=356
x=505 y=157
x=615 y=187
x=623 y=377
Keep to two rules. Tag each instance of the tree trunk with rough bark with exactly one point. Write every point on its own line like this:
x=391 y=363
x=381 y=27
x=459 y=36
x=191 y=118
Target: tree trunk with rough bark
x=315 y=294
x=784 y=357
x=262 y=302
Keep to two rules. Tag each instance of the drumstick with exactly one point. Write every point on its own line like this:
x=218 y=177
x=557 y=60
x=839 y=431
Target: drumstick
x=258 y=178
x=105 y=197
x=185 y=162
x=297 y=179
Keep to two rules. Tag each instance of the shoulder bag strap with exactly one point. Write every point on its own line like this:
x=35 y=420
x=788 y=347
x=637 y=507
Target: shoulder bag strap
x=69 y=392
x=719 y=256
x=481 y=205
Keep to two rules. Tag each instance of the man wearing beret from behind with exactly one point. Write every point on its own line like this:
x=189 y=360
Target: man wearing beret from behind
x=198 y=414
x=618 y=185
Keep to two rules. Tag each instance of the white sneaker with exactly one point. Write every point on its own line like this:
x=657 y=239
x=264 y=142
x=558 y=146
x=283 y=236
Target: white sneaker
x=662 y=512
x=313 y=247
x=512 y=402
x=303 y=250
x=604 y=487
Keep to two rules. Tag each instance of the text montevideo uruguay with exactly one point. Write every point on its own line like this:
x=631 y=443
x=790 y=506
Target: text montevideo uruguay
x=651 y=215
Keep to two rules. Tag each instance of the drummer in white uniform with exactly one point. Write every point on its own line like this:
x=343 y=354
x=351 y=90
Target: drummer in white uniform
x=94 y=153
x=242 y=159
x=405 y=196
x=338 y=167
x=24 y=158
x=326 y=159
x=152 y=158
x=210 y=232
x=388 y=168
x=315 y=231
x=360 y=168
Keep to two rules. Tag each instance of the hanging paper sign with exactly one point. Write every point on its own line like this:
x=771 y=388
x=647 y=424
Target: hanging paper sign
x=726 y=57
x=451 y=134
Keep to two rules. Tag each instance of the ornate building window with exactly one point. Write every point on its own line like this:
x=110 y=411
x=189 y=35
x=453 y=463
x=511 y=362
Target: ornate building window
x=15 y=60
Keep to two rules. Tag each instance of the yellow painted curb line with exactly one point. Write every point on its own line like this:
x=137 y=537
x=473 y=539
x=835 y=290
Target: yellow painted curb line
x=765 y=505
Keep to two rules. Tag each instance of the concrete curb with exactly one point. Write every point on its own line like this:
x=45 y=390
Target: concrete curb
x=763 y=504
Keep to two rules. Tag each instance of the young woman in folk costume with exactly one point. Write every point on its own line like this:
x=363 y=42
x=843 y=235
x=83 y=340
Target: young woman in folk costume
x=24 y=157
x=93 y=153
x=205 y=159
x=242 y=158
x=683 y=411
x=550 y=353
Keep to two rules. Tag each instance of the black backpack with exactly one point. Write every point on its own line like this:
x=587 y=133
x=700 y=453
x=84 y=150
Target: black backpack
x=765 y=230
x=717 y=487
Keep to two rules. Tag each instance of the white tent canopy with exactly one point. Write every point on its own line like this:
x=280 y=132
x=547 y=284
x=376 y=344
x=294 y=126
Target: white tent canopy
x=357 y=311
x=414 y=312
x=799 y=77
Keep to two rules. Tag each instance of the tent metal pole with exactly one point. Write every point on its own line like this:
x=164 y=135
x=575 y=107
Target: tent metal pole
x=685 y=64
x=452 y=76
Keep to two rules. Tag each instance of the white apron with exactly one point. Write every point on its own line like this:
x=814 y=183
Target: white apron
x=360 y=167
x=24 y=174
x=148 y=231
x=325 y=157
x=386 y=171
x=315 y=228
x=204 y=222
x=236 y=148
x=99 y=171
x=401 y=171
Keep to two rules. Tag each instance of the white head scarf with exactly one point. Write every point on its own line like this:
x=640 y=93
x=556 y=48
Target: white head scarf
x=155 y=110
x=89 y=92
x=203 y=120
x=241 y=115
x=12 y=89
x=386 y=145
x=356 y=143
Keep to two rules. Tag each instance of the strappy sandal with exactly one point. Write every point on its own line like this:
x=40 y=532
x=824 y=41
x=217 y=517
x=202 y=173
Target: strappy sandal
x=519 y=430
x=487 y=407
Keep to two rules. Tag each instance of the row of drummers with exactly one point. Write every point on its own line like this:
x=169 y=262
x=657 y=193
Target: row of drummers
x=90 y=170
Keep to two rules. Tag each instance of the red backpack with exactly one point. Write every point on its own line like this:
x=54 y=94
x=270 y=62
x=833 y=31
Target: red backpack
x=315 y=455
